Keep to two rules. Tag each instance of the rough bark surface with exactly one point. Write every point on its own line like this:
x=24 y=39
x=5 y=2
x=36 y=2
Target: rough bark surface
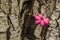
x=17 y=19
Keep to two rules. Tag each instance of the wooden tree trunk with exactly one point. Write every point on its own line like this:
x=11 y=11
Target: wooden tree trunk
x=9 y=21
x=17 y=19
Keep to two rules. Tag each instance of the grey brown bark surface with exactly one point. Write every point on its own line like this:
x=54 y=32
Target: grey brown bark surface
x=17 y=19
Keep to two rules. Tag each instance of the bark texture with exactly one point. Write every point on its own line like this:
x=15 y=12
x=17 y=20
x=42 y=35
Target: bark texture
x=17 y=19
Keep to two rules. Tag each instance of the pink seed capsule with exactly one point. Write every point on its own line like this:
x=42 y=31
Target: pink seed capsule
x=37 y=21
x=37 y=18
x=40 y=15
x=42 y=23
x=46 y=20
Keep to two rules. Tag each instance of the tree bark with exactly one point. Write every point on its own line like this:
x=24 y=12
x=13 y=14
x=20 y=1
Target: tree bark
x=17 y=19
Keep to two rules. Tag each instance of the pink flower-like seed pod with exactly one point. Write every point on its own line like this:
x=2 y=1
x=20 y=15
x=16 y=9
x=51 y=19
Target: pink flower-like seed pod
x=37 y=21
x=37 y=17
x=42 y=23
x=46 y=20
x=40 y=15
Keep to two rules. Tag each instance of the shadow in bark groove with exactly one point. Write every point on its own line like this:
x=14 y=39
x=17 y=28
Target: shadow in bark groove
x=44 y=32
x=27 y=5
x=29 y=25
x=28 y=28
x=8 y=33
